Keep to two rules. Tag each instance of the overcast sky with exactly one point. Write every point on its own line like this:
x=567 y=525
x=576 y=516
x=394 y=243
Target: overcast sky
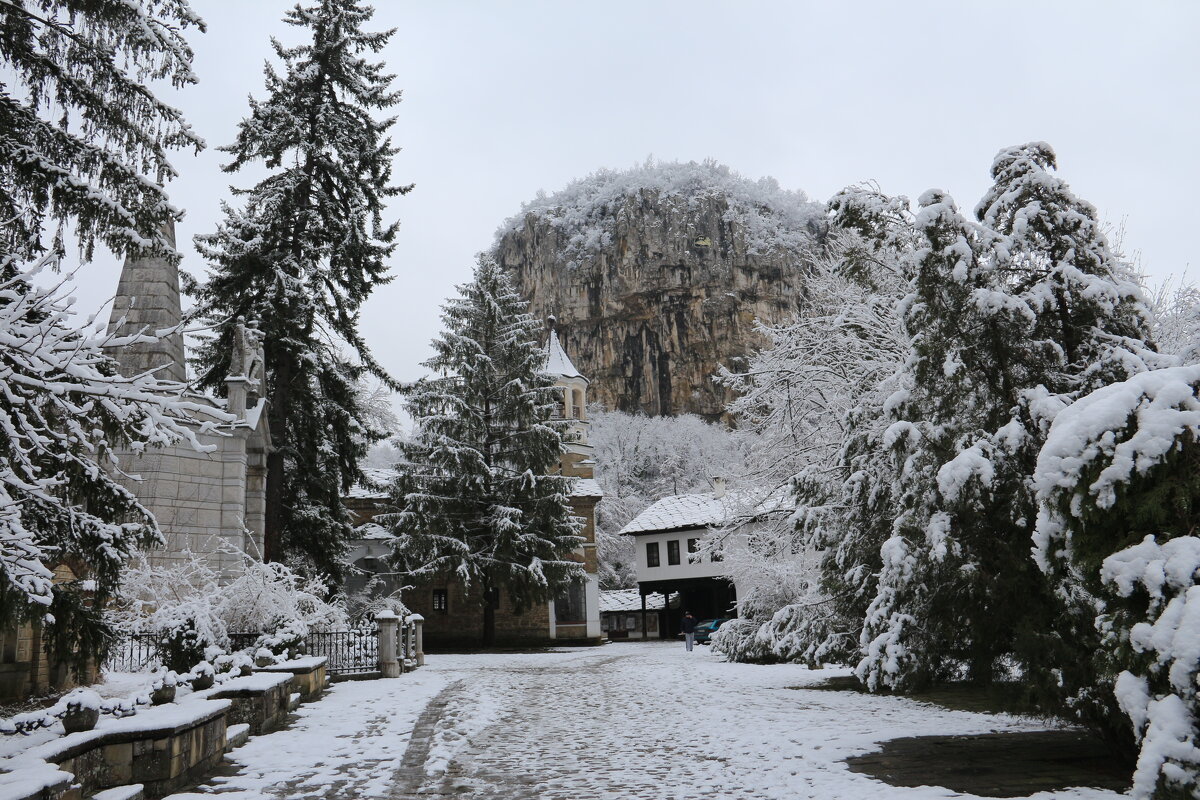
x=504 y=99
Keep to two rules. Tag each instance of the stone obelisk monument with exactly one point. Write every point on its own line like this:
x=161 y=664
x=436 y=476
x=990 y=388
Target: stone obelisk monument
x=148 y=301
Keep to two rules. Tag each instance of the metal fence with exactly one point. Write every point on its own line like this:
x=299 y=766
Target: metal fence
x=349 y=651
x=355 y=650
x=138 y=652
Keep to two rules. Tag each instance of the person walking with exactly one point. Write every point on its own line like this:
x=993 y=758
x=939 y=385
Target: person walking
x=689 y=630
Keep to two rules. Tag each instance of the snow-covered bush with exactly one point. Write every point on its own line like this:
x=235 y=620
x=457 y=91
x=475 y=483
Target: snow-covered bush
x=284 y=639
x=189 y=596
x=1119 y=504
x=738 y=640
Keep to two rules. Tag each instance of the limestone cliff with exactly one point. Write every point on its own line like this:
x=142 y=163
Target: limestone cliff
x=657 y=274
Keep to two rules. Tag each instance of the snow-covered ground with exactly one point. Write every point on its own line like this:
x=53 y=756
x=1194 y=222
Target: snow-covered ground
x=618 y=722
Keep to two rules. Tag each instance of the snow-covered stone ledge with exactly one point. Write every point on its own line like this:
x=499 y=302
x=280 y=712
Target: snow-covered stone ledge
x=164 y=748
x=308 y=674
x=259 y=700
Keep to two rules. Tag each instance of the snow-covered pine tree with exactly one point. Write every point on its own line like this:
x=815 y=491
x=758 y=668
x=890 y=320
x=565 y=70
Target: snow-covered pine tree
x=476 y=497
x=1091 y=328
x=1118 y=485
x=63 y=410
x=300 y=258
x=1089 y=304
x=82 y=138
x=957 y=586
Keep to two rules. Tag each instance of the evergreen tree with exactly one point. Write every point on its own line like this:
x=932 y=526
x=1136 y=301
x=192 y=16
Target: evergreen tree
x=957 y=583
x=1091 y=328
x=300 y=259
x=476 y=495
x=1091 y=313
x=82 y=138
x=1118 y=486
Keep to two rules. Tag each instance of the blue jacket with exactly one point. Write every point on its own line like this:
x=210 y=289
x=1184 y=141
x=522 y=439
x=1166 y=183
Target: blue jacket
x=689 y=624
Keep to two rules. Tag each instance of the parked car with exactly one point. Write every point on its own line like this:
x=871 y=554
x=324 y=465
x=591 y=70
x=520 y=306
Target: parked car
x=706 y=628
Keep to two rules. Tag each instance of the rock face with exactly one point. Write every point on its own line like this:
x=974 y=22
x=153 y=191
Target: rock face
x=657 y=275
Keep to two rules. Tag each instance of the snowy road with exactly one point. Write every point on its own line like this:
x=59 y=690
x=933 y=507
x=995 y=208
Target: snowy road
x=621 y=722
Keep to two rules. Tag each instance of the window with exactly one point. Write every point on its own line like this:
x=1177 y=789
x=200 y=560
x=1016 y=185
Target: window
x=693 y=545
x=652 y=554
x=441 y=600
x=570 y=607
x=717 y=555
x=673 y=552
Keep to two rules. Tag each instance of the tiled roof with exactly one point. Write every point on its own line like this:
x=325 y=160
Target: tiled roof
x=682 y=511
x=586 y=487
x=378 y=482
x=628 y=600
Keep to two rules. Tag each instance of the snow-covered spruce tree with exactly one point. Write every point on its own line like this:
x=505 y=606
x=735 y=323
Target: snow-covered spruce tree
x=798 y=400
x=957 y=587
x=1091 y=327
x=1088 y=304
x=300 y=258
x=82 y=138
x=1118 y=485
x=63 y=410
x=475 y=495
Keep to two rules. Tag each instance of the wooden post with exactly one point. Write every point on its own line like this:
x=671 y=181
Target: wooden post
x=645 y=633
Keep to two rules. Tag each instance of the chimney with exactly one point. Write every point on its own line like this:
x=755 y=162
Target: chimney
x=718 y=487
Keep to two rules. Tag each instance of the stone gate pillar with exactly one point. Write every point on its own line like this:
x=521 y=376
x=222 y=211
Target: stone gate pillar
x=389 y=625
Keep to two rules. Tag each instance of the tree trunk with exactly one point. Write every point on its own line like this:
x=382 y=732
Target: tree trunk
x=489 y=617
x=273 y=522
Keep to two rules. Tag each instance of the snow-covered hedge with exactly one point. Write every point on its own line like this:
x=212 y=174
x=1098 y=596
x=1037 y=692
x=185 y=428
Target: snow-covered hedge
x=190 y=600
x=1118 y=484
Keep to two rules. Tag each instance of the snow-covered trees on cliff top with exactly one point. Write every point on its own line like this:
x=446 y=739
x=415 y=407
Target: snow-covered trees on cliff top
x=588 y=211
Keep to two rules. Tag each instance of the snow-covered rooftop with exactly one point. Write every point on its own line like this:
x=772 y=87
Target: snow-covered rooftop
x=586 y=487
x=376 y=486
x=682 y=511
x=371 y=530
x=558 y=363
x=628 y=600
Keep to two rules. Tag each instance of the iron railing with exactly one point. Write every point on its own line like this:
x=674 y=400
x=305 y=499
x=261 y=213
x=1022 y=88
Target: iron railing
x=137 y=652
x=355 y=650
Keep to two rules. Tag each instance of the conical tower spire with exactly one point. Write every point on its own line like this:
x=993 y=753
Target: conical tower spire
x=148 y=300
x=558 y=363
